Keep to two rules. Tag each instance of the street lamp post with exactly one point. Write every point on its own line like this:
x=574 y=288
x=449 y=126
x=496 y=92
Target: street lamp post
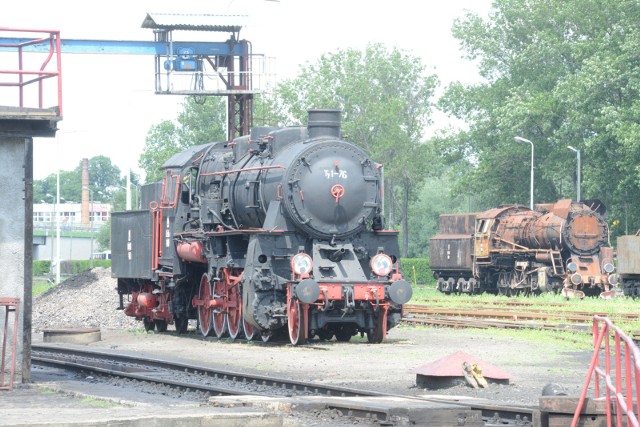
x=91 y=226
x=52 y=219
x=577 y=172
x=58 y=227
x=520 y=139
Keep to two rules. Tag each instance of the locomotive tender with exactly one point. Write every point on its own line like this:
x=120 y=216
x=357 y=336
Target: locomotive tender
x=628 y=263
x=560 y=247
x=280 y=229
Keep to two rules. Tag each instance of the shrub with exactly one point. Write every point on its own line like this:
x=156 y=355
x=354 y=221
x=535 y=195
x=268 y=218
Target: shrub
x=43 y=267
x=417 y=271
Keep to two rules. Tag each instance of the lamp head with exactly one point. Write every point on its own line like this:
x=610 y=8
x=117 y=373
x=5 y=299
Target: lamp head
x=521 y=139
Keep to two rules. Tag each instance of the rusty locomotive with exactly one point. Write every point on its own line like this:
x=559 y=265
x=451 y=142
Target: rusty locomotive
x=559 y=247
x=280 y=230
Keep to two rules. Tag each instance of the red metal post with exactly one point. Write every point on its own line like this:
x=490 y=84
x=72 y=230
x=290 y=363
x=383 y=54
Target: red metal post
x=53 y=38
x=10 y=304
x=623 y=397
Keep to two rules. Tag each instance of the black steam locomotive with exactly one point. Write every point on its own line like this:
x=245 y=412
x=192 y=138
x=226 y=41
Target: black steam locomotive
x=282 y=228
x=558 y=247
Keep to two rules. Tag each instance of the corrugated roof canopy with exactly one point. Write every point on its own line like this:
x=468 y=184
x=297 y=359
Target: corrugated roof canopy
x=172 y=21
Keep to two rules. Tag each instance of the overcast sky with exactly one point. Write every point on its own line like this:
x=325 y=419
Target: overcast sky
x=108 y=100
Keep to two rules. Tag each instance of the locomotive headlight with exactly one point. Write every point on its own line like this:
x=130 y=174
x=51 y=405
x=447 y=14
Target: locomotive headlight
x=572 y=267
x=613 y=279
x=381 y=264
x=576 y=279
x=608 y=267
x=301 y=263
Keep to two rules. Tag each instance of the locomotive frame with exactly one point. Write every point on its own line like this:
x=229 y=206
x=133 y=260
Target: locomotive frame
x=278 y=231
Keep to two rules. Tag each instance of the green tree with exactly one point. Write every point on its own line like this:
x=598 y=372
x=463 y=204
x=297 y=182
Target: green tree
x=104 y=177
x=198 y=123
x=557 y=73
x=103 y=237
x=385 y=98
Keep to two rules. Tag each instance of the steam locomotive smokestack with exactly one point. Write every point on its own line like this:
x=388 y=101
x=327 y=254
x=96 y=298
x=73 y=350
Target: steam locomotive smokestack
x=324 y=123
x=85 y=191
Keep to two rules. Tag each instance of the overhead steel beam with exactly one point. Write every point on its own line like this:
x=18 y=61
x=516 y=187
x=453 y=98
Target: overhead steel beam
x=122 y=47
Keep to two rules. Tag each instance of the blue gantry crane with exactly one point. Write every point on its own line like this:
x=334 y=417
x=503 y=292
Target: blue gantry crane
x=191 y=68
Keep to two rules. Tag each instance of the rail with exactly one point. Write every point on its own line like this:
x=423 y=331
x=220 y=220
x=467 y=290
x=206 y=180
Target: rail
x=624 y=396
x=23 y=77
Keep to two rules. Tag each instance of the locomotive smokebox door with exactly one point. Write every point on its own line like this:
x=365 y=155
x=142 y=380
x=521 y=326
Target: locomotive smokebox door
x=333 y=189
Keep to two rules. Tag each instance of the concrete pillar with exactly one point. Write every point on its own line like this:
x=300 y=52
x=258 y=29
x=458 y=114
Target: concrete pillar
x=12 y=232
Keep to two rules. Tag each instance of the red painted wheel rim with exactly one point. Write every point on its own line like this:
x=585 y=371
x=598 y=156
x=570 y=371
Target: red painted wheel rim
x=219 y=318
x=204 y=311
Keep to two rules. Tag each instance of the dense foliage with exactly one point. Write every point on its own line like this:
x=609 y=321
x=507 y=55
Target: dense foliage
x=557 y=73
x=198 y=123
x=105 y=181
x=385 y=96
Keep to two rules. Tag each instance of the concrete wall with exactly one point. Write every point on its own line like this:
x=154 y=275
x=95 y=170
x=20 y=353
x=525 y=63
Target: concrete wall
x=71 y=248
x=12 y=222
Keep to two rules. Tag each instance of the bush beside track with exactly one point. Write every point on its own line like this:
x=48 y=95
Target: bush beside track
x=43 y=267
x=417 y=271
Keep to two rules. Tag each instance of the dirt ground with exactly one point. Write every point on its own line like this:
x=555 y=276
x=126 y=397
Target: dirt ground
x=386 y=367
x=90 y=300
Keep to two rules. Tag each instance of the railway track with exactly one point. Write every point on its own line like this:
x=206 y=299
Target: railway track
x=216 y=382
x=482 y=311
x=492 y=317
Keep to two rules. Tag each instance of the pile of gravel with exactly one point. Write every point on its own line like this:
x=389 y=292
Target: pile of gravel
x=86 y=300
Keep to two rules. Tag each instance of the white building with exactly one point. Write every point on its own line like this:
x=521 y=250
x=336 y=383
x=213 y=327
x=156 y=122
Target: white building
x=77 y=240
x=44 y=216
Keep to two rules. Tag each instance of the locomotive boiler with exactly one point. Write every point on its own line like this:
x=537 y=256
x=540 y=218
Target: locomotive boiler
x=560 y=247
x=279 y=230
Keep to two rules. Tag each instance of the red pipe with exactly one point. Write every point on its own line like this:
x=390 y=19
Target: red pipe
x=147 y=300
x=191 y=251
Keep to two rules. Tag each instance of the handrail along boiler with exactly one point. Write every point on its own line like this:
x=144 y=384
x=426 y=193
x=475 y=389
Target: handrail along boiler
x=278 y=230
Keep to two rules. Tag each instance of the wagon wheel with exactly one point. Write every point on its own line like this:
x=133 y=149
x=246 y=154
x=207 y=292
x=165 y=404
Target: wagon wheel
x=504 y=282
x=343 y=333
x=219 y=317
x=148 y=323
x=161 y=325
x=250 y=332
x=234 y=303
x=234 y=311
x=295 y=318
x=377 y=334
x=182 y=324
x=204 y=310
x=325 y=334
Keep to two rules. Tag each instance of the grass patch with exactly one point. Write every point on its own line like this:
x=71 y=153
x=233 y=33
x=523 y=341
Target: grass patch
x=40 y=285
x=99 y=403
x=547 y=302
